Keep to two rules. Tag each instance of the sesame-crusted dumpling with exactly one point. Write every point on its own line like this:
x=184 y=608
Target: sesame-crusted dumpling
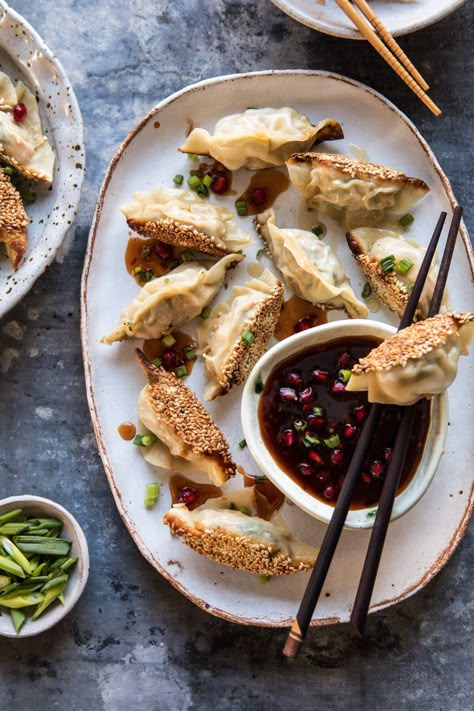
x=417 y=362
x=392 y=284
x=172 y=412
x=170 y=301
x=13 y=221
x=228 y=530
x=181 y=218
x=310 y=267
x=238 y=332
x=22 y=143
x=258 y=138
x=355 y=192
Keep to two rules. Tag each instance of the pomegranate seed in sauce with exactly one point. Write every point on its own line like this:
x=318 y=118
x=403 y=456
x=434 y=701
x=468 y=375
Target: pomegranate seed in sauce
x=349 y=431
x=287 y=437
x=294 y=379
x=303 y=324
x=305 y=469
x=338 y=387
x=321 y=375
x=220 y=185
x=360 y=413
x=315 y=457
x=376 y=468
x=330 y=492
x=163 y=250
x=306 y=395
x=344 y=360
x=288 y=394
x=259 y=197
x=337 y=456
x=187 y=495
x=19 y=112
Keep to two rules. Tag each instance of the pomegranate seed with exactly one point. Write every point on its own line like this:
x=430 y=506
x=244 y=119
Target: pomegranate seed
x=287 y=437
x=321 y=375
x=305 y=469
x=315 y=457
x=349 y=431
x=308 y=406
x=344 y=360
x=306 y=395
x=324 y=477
x=388 y=454
x=259 y=197
x=287 y=394
x=315 y=421
x=19 y=112
x=365 y=478
x=163 y=250
x=303 y=324
x=180 y=359
x=220 y=185
x=338 y=387
x=337 y=456
x=187 y=495
x=376 y=468
x=294 y=379
x=360 y=413
x=169 y=359
x=330 y=492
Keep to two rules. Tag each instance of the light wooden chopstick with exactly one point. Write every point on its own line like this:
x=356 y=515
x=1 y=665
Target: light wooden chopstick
x=368 y=33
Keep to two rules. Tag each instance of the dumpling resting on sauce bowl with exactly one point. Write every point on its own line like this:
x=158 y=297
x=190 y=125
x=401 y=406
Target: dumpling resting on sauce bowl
x=417 y=362
x=172 y=300
x=172 y=412
x=181 y=218
x=238 y=332
x=357 y=193
x=371 y=245
x=310 y=267
x=228 y=530
x=259 y=138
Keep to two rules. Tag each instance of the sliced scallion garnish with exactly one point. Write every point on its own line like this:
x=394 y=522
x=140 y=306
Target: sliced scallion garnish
x=206 y=312
x=241 y=207
x=178 y=179
x=366 y=291
x=248 y=337
x=332 y=442
x=387 y=264
x=404 y=265
x=406 y=220
x=242 y=444
x=168 y=340
x=181 y=371
x=193 y=182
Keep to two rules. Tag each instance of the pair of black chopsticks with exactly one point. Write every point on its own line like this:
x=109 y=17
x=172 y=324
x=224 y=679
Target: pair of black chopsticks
x=384 y=510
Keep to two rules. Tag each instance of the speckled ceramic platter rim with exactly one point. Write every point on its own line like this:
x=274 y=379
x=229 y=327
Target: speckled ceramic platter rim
x=54 y=213
x=254 y=83
x=400 y=18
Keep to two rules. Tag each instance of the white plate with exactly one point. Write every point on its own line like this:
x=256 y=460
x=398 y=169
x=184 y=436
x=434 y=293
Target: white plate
x=24 y=55
x=400 y=18
x=421 y=541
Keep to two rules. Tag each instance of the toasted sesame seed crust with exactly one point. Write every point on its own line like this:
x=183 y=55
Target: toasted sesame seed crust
x=13 y=221
x=178 y=408
x=236 y=551
x=412 y=342
x=179 y=235
x=357 y=169
x=262 y=322
x=387 y=287
x=29 y=173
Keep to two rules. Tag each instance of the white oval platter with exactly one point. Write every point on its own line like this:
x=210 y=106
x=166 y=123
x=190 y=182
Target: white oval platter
x=420 y=542
x=24 y=55
x=399 y=17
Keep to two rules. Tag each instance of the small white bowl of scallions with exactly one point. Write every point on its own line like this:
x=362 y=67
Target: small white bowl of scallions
x=44 y=564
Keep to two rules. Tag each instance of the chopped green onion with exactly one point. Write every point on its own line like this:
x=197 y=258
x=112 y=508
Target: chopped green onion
x=137 y=270
x=28 y=196
x=195 y=172
x=387 y=264
x=193 y=182
x=206 y=312
x=173 y=263
x=138 y=440
x=168 y=340
x=10 y=567
x=261 y=252
x=344 y=375
x=166 y=281
x=157 y=362
x=51 y=595
x=264 y=579
x=8 y=170
x=54 y=581
x=242 y=444
x=241 y=207
x=202 y=190
x=15 y=554
x=318 y=411
x=317 y=230
x=152 y=492
x=18 y=619
x=332 y=442
x=33 y=598
x=178 y=179
x=404 y=265
x=259 y=386
x=310 y=441
x=10 y=516
x=181 y=371
x=232 y=507
x=300 y=425
x=244 y=510
x=148 y=275
x=366 y=291
x=193 y=156
x=247 y=337
x=406 y=220
x=410 y=286
x=190 y=353
x=208 y=180
x=149 y=439
x=187 y=255
x=146 y=250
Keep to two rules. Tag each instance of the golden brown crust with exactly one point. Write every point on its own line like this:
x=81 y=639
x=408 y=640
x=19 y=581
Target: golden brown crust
x=179 y=235
x=13 y=221
x=236 y=551
x=177 y=407
x=386 y=287
x=29 y=173
x=330 y=130
x=413 y=342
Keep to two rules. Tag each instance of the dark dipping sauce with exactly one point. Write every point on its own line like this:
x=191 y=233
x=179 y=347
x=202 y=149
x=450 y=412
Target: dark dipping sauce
x=311 y=424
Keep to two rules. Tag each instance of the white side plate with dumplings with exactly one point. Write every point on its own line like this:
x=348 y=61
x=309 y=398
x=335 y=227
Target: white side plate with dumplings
x=418 y=544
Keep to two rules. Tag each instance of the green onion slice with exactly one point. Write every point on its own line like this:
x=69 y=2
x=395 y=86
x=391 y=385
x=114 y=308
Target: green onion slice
x=406 y=220
x=366 y=291
x=241 y=207
x=404 y=265
x=206 y=312
x=247 y=337
x=332 y=442
x=178 y=179
x=387 y=264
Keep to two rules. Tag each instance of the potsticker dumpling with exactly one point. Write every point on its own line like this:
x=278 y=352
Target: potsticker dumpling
x=417 y=362
x=181 y=218
x=354 y=192
x=238 y=332
x=172 y=300
x=370 y=245
x=22 y=143
x=258 y=138
x=310 y=267
x=13 y=221
x=172 y=412
x=220 y=531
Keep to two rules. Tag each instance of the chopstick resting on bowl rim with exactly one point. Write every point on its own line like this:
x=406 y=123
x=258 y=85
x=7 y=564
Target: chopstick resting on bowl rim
x=389 y=52
x=318 y=575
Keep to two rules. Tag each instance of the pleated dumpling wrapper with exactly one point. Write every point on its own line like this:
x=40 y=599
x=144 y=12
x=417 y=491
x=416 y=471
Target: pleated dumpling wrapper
x=181 y=218
x=357 y=193
x=13 y=221
x=259 y=138
x=309 y=267
x=22 y=143
x=228 y=530
x=417 y=362
x=390 y=264
x=238 y=332
x=172 y=300
x=172 y=412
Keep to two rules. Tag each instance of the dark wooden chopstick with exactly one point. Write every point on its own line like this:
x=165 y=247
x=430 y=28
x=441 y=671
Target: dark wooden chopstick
x=310 y=598
x=392 y=479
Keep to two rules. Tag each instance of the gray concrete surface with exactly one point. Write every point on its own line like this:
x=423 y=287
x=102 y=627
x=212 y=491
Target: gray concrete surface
x=133 y=642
